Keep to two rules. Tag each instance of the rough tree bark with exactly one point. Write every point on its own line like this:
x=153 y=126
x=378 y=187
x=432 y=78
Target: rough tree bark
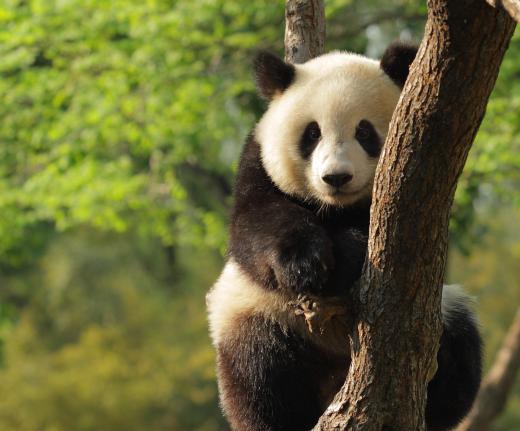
x=397 y=323
x=304 y=29
x=498 y=383
x=397 y=307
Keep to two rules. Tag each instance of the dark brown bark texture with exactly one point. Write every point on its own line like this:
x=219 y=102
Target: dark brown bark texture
x=397 y=323
x=304 y=29
x=497 y=385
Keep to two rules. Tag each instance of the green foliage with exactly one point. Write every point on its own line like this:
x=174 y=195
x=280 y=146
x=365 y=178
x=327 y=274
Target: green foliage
x=111 y=107
x=492 y=174
x=120 y=126
x=491 y=273
x=128 y=116
x=109 y=346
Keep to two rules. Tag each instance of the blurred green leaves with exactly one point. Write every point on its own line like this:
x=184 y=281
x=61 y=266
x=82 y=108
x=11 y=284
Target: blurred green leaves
x=105 y=101
x=120 y=126
x=109 y=344
x=492 y=173
x=115 y=113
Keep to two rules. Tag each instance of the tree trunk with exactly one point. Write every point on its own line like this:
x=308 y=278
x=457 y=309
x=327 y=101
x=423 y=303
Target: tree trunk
x=497 y=384
x=397 y=322
x=304 y=29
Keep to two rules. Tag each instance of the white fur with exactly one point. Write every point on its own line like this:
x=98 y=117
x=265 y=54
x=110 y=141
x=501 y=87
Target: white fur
x=332 y=157
x=336 y=90
x=235 y=296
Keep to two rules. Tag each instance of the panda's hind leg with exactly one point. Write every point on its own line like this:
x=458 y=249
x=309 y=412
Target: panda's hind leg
x=270 y=377
x=453 y=389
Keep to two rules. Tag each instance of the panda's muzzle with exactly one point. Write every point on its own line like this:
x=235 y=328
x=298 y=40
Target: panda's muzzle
x=337 y=180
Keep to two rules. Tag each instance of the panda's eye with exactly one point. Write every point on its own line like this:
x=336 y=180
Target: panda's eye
x=362 y=133
x=310 y=138
x=313 y=131
x=368 y=138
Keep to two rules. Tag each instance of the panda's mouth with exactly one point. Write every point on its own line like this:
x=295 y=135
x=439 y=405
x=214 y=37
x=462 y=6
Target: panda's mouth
x=340 y=192
x=338 y=196
x=341 y=196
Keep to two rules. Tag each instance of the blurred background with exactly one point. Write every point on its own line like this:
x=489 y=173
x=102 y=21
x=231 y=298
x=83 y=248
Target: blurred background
x=121 y=123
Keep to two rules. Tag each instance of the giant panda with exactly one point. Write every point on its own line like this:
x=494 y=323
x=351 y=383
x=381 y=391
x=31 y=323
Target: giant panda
x=299 y=226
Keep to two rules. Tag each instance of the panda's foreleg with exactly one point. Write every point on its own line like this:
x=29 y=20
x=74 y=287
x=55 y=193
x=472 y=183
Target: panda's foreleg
x=282 y=245
x=270 y=378
x=453 y=389
x=350 y=248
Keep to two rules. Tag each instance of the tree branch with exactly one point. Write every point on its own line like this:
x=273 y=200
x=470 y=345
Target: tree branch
x=498 y=383
x=304 y=29
x=397 y=323
x=511 y=6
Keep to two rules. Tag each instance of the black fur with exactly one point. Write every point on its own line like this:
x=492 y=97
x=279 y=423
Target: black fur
x=272 y=74
x=368 y=138
x=397 y=59
x=274 y=379
x=268 y=375
x=453 y=389
x=310 y=139
x=283 y=243
x=271 y=377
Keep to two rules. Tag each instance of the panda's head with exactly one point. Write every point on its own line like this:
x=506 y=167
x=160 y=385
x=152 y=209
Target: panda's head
x=327 y=120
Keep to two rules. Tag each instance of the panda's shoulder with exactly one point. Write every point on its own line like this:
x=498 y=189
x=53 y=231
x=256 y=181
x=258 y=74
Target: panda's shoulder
x=250 y=172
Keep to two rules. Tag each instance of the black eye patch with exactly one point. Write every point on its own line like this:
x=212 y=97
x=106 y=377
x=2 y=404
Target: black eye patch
x=310 y=138
x=368 y=138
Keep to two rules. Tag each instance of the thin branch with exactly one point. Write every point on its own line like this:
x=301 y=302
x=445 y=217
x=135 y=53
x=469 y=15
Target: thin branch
x=304 y=29
x=498 y=383
x=512 y=7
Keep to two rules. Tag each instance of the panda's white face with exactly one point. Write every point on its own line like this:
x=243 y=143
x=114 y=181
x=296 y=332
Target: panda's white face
x=320 y=138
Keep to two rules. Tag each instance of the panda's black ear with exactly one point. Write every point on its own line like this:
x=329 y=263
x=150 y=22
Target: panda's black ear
x=397 y=59
x=273 y=75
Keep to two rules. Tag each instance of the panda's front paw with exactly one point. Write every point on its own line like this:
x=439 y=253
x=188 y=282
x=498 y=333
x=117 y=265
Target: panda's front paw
x=304 y=262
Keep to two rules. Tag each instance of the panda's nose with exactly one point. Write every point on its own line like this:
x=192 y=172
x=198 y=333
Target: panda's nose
x=337 y=180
